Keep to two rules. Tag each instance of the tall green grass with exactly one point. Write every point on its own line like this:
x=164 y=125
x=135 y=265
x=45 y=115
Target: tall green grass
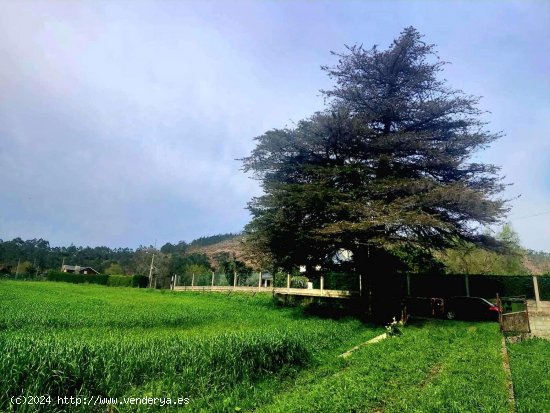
x=86 y=340
x=228 y=352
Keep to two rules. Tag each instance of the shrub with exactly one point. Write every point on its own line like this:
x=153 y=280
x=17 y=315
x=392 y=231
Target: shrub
x=77 y=278
x=140 y=281
x=427 y=285
x=299 y=281
x=120 y=281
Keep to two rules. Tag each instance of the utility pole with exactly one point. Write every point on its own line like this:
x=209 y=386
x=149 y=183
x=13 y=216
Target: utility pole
x=17 y=269
x=62 y=263
x=151 y=270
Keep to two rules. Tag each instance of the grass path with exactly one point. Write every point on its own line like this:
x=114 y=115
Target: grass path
x=435 y=367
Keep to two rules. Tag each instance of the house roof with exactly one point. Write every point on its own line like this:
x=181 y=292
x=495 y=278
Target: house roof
x=75 y=267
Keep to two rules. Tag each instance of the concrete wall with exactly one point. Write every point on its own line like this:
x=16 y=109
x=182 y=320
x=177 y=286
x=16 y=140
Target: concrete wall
x=539 y=319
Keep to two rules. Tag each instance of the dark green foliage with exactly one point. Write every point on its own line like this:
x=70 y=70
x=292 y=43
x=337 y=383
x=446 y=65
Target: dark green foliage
x=229 y=265
x=385 y=168
x=35 y=256
x=45 y=257
x=140 y=281
x=120 y=281
x=168 y=248
x=507 y=286
x=480 y=285
x=101 y=279
x=340 y=281
x=180 y=264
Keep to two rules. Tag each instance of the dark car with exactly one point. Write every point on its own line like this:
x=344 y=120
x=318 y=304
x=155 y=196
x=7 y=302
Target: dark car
x=470 y=308
x=424 y=306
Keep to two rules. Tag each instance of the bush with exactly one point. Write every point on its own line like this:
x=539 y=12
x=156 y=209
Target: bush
x=120 y=281
x=140 y=281
x=101 y=279
x=299 y=281
x=480 y=285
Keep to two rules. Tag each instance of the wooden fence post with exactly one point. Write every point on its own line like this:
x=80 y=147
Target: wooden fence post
x=260 y=281
x=193 y=281
x=288 y=282
x=537 y=293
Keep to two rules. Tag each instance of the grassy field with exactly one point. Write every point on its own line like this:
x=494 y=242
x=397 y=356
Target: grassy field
x=231 y=353
x=64 y=339
x=530 y=366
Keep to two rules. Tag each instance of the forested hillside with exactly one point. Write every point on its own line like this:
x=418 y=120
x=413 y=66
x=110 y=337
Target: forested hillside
x=204 y=254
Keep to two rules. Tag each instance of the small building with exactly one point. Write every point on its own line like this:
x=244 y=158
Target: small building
x=77 y=269
x=267 y=279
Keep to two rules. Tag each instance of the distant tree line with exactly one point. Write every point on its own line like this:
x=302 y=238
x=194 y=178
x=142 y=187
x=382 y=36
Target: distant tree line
x=35 y=257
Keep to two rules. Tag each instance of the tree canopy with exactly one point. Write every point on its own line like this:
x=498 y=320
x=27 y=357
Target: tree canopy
x=385 y=168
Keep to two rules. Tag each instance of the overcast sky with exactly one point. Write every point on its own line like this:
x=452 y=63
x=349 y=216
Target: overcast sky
x=120 y=121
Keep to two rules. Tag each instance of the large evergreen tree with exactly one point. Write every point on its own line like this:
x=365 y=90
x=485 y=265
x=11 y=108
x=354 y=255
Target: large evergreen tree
x=385 y=171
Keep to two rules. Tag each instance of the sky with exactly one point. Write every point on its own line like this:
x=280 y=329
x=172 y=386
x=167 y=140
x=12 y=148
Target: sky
x=121 y=121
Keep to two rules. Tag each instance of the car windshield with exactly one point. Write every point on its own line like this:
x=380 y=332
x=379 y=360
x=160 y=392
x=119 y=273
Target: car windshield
x=488 y=302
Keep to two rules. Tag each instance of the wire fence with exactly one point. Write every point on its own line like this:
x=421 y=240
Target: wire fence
x=327 y=281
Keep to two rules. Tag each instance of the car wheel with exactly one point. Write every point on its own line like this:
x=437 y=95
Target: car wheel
x=450 y=315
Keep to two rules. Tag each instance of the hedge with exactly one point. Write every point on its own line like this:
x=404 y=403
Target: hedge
x=480 y=285
x=102 y=279
x=77 y=278
x=119 y=281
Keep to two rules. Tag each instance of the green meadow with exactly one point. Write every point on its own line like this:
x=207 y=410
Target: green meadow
x=530 y=366
x=227 y=353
